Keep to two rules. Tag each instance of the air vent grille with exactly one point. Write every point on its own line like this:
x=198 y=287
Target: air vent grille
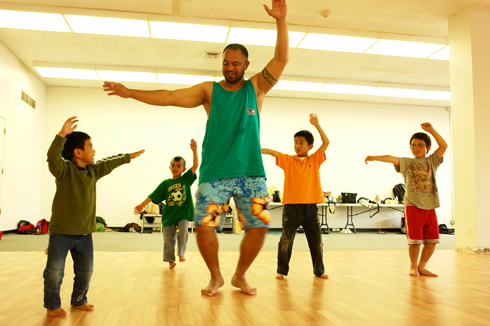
x=29 y=100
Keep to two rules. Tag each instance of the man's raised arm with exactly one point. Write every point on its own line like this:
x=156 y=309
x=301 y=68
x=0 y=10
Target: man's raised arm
x=186 y=97
x=270 y=75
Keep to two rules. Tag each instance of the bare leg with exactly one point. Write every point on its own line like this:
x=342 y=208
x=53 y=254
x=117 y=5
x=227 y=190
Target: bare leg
x=207 y=241
x=249 y=249
x=58 y=312
x=85 y=306
x=413 y=252
x=427 y=252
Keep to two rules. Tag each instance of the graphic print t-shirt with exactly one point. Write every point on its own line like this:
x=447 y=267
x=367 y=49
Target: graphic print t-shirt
x=178 y=198
x=420 y=181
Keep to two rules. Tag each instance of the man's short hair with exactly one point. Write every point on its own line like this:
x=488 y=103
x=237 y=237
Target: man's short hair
x=177 y=159
x=308 y=136
x=236 y=46
x=421 y=136
x=73 y=141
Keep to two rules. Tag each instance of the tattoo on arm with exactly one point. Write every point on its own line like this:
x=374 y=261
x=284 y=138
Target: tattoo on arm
x=268 y=77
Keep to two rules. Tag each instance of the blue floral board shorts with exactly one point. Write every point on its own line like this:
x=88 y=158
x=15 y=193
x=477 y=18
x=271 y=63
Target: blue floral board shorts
x=251 y=199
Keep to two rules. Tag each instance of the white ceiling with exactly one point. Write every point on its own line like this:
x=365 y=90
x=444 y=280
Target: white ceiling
x=414 y=17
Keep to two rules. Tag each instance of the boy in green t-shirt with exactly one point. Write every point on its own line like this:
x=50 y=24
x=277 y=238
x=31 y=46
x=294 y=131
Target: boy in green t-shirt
x=179 y=207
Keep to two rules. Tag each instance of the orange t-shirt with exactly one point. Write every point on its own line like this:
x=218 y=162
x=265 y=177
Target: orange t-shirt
x=301 y=178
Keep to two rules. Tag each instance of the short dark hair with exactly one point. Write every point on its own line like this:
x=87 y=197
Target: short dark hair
x=305 y=133
x=421 y=136
x=236 y=46
x=177 y=159
x=73 y=141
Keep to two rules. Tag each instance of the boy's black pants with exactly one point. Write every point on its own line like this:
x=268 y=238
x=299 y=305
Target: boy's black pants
x=306 y=215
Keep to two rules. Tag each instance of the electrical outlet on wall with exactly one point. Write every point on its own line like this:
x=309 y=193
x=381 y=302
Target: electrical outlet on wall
x=468 y=230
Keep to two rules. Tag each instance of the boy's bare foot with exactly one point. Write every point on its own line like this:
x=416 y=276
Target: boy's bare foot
x=243 y=285
x=58 y=312
x=414 y=272
x=279 y=276
x=182 y=259
x=213 y=286
x=172 y=264
x=425 y=272
x=85 y=306
x=324 y=276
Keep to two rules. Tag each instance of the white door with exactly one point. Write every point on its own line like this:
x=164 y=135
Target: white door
x=2 y=141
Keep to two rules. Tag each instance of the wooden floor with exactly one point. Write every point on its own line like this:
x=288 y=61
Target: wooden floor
x=365 y=288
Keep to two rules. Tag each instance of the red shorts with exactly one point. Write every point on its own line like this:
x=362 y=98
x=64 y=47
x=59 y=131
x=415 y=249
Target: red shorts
x=421 y=225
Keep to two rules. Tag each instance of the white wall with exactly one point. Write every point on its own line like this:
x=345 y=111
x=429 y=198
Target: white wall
x=355 y=130
x=23 y=150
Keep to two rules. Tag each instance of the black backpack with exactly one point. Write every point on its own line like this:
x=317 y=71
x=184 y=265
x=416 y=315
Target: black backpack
x=399 y=192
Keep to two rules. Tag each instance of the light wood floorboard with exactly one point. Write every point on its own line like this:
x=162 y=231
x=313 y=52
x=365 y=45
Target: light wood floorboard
x=365 y=288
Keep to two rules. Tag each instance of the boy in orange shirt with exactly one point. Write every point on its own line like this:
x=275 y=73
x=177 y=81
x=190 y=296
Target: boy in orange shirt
x=302 y=191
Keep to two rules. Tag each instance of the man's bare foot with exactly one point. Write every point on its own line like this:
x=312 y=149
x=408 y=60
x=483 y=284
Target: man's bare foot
x=425 y=272
x=182 y=259
x=414 y=272
x=58 y=312
x=242 y=284
x=172 y=264
x=323 y=276
x=213 y=286
x=279 y=276
x=85 y=306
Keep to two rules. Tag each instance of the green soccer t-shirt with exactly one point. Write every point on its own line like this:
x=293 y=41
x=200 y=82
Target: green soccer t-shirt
x=178 y=198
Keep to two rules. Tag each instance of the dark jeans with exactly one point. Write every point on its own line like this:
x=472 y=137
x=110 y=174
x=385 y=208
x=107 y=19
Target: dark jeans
x=294 y=215
x=82 y=252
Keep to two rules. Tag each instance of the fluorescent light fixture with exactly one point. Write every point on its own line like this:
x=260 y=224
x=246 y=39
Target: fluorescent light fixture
x=346 y=89
x=336 y=43
x=134 y=76
x=404 y=48
x=33 y=20
x=435 y=95
x=108 y=25
x=218 y=79
x=182 y=79
x=395 y=92
x=266 y=37
x=298 y=86
x=441 y=54
x=188 y=32
x=69 y=73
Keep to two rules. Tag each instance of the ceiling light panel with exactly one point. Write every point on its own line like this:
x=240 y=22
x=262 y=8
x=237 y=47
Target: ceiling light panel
x=441 y=55
x=267 y=37
x=336 y=43
x=188 y=32
x=395 y=92
x=404 y=48
x=39 y=21
x=346 y=89
x=435 y=95
x=298 y=86
x=68 y=73
x=182 y=79
x=133 y=76
x=108 y=25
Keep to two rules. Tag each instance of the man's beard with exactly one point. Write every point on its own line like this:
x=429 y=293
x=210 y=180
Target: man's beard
x=233 y=80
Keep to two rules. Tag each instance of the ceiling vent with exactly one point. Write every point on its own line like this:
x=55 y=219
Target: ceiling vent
x=29 y=100
x=212 y=56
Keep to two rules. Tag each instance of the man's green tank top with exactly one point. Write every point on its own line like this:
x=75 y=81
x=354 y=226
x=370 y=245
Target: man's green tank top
x=231 y=146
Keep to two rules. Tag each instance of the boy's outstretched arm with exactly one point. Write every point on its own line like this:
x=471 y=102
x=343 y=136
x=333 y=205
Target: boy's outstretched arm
x=136 y=154
x=138 y=209
x=426 y=126
x=314 y=121
x=383 y=158
x=269 y=152
x=195 y=158
x=68 y=127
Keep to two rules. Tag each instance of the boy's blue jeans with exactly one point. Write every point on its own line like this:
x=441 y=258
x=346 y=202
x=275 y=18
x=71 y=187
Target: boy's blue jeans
x=306 y=215
x=82 y=252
